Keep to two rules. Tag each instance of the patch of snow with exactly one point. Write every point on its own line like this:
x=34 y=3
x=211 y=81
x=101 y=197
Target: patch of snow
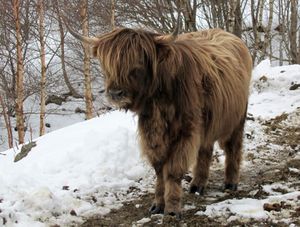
x=271 y=94
x=294 y=170
x=271 y=188
x=143 y=221
x=189 y=207
x=246 y=208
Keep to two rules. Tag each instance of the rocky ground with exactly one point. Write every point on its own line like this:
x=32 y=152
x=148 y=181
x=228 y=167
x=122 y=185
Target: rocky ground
x=271 y=167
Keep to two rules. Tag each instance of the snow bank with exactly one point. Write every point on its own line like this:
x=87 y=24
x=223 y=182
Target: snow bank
x=97 y=157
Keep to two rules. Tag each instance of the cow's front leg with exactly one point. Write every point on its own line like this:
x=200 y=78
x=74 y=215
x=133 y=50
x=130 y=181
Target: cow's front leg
x=180 y=156
x=158 y=205
x=173 y=190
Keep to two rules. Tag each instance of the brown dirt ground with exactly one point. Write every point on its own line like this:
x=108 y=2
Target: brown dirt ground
x=266 y=168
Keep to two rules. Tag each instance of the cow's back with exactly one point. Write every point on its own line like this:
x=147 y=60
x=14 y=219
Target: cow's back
x=227 y=70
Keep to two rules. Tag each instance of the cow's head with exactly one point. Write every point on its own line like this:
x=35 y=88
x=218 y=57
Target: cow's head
x=129 y=60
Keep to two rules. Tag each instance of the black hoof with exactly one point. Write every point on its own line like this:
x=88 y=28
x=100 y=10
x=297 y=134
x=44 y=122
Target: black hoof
x=194 y=189
x=177 y=215
x=230 y=187
x=157 y=209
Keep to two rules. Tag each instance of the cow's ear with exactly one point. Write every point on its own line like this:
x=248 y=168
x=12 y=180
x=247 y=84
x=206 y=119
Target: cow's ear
x=165 y=39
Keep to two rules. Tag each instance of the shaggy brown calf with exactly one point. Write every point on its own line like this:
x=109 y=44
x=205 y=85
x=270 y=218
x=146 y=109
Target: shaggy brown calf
x=188 y=91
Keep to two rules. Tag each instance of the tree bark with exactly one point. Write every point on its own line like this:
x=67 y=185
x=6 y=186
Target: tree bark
x=255 y=11
x=267 y=41
x=293 y=31
x=260 y=4
x=189 y=12
x=86 y=62
x=281 y=31
x=20 y=74
x=231 y=16
x=40 y=9
x=113 y=22
x=7 y=123
x=238 y=19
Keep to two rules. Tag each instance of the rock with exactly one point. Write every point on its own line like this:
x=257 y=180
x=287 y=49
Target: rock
x=263 y=79
x=65 y=187
x=55 y=100
x=73 y=213
x=269 y=207
x=24 y=151
x=79 y=110
x=294 y=87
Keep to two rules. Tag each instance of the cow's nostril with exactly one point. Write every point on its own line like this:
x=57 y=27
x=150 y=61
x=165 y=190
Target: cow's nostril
x=116 y=93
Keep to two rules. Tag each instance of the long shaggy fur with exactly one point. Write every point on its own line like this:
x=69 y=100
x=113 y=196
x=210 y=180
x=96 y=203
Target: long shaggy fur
x=187 y=93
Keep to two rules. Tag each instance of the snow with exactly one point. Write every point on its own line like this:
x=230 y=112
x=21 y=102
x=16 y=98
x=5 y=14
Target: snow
x=270 y=95
x=143 y=221
x=99 y=156
x=87 y=169
x=246 y=208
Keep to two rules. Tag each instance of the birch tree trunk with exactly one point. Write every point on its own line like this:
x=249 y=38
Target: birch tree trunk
x=260 y=4
x=235 y=18
x=86 y=62
x=255 y=33
x=256 y=16
x=113 y=8
x=238 y=19
x=40 y=9
x=280 y=20
x=7 y=123
x=20 y=74
x=231 y=15
x=293 y=31
x=267 y=41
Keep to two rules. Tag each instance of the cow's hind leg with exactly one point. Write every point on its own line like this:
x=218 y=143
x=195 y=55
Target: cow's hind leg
x=159 y=203
x=201 y=169
x=233 y=152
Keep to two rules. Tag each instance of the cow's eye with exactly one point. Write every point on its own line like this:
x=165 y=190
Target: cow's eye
x=136 y=73
x=133 y=75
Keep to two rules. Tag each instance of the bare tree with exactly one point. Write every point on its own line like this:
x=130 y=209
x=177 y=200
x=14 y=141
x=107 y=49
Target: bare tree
x=282 y=28
x=235 y=18
x=189 y=9
x=20 y=74
x=113 y=9
x=267 y=38
x=72 y=91
x=257 y=28
x=40 y=10
x=7 y=123
x=158 y=15
x=293 y=31
x=86 y=61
